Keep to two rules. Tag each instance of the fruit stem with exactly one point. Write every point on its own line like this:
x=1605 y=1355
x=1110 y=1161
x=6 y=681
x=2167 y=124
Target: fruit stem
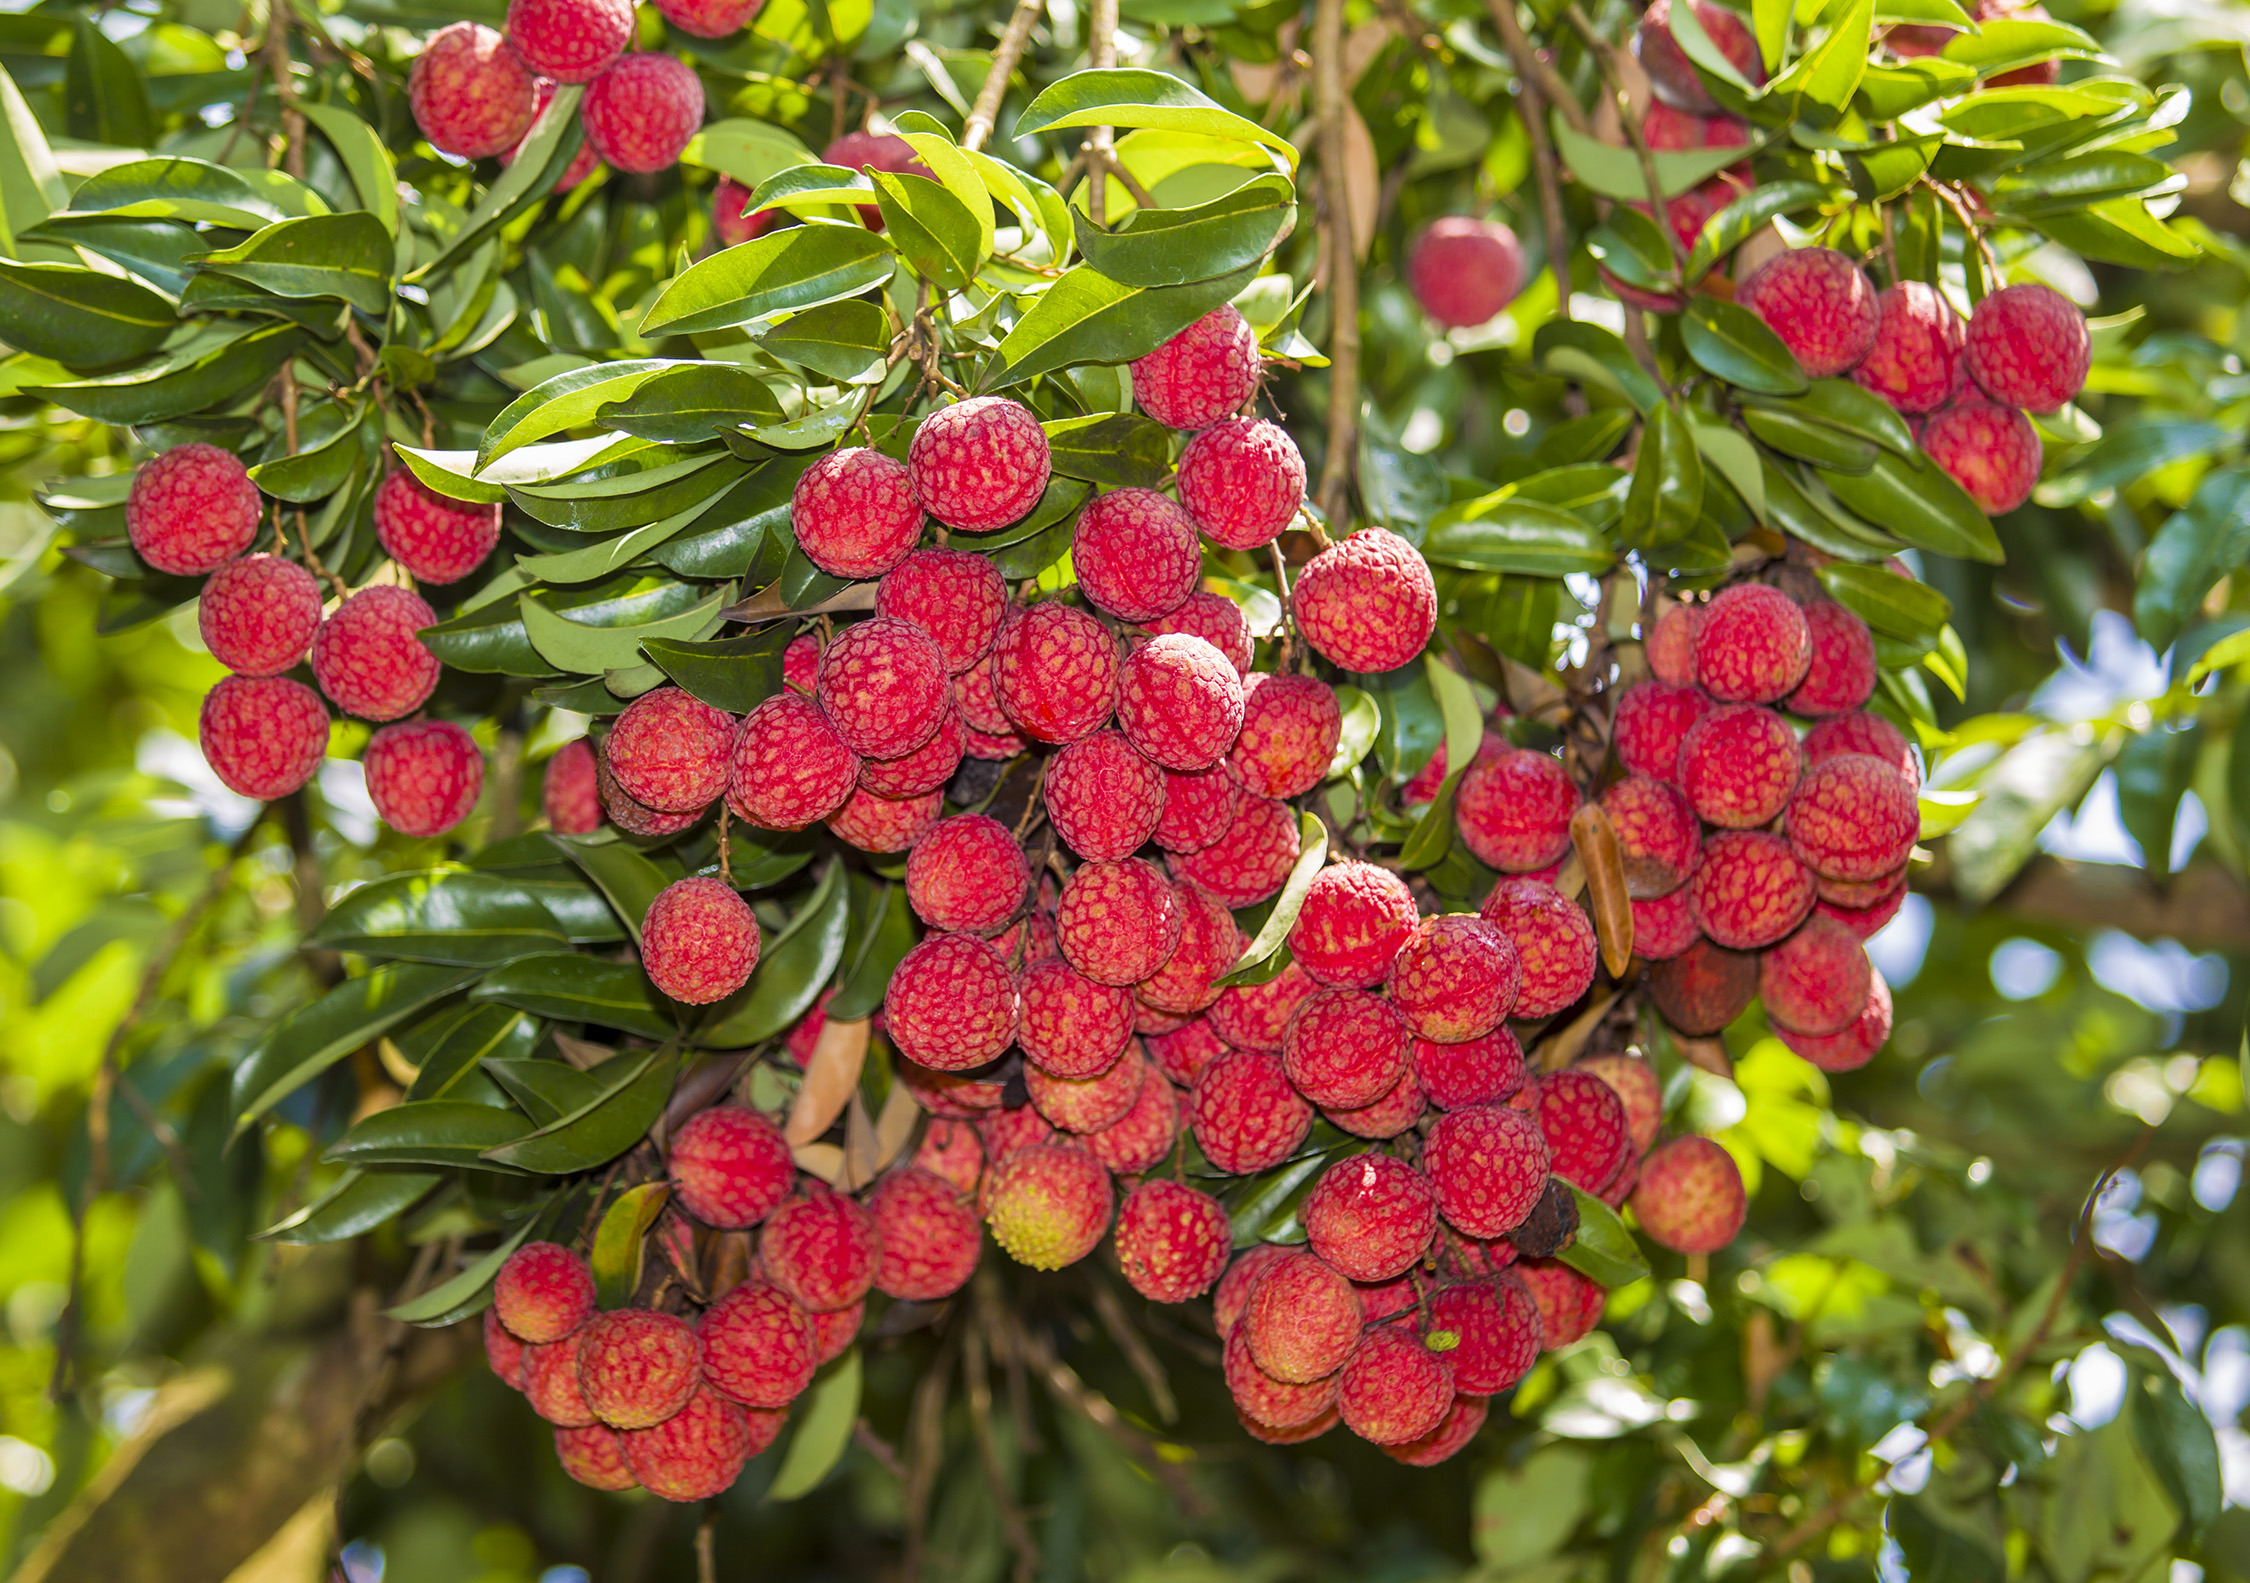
x=1537 y=70
x=1343 y=271
x=986 y=111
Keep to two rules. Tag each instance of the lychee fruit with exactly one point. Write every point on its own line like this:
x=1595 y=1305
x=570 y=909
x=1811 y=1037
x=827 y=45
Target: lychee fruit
x=594 y=1455
x=263 y=736
x=1103 y=798
x=550 y=1383
x=951 y=1151
x=1180 y=702
x=1841 y=675
x=1752 y=645
x=1853 y=819
x=503 y=1352
x=1172 y=1241
x=820 y=1249
x=641 y=112
x=1670 y=646
x=927 y=1236
x=1634 y=1082
x=1570 y=1304
x=1055 y=672
x=1371 y=1216
x=1182 y=1054
x=670 y=750
x=1488 y=1165
x=1088 y=1104
x=1455 y=978
x=191 y=509
x=1817 y=981
x=787 y=767
x=1656 y=831
x=1513 y=810
x=979 y=464
x=1916 y=362
x=1480 y=1071
x=1663 y=926
x=1251 y=860
x=1652 y=720
x=758 y=1346
x=885 y=824
x=1818 y=302
x=698 y=1452
x=1071 y=1026
x=471 y=96
x=1554 y=943
x=1140 y=1139
x=1991 y=451
x=636 y=818
x=709 y=19
x=637 y=1367
x=956 y=596
x=368 y=658
x=1460 y=1425
x=855 y=515
x=423 y=776
x=1210 y=944
x=1233 y=1294
x=1389 y=1116
x=1048 y=1205
x=1204 y=373
x=923 y=770
x=699 y=941
x=543 y=1292
x=1750 y=889
x=1366 y=603
x=1495 y=1329
x=1245 y=1113
x=1853 y=1046
x=1290 y=727
x=1136 y=554
x=1690 y=1197
x=730 y=1167
x=883 y=686
x=1739 y=766
x=1343 y=1048
x=1242 y=481
x=800 y=661
x=258 y=614
x=2027 y=346
x=433 y=537
x=951 y=1003
x=1275 y=1408
x=967 y=873
x=1117 y=922
x=1302 y=1319
x=1671 y=73
x=569 y=40
x=1704 y=987
x=1353 y=923
x=1463 y=270
x=1863 y=733
x=1583 y=1119
x=1253 y=1016
x=1394 y=1388
x=1214 y=618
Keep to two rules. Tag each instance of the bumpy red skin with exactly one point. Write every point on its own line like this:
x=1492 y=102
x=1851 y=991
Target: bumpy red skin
x=979 y=464
x=1214 y=618
x=1740 y=765
x=503 y=1352
x=367 y=657
x=1180 y=701
x=1663 y=926
x=1821 y=305
x=1488 y=1166
x=1088 y=1104
x=1689 y=1197
x=958 y=597
x=926 y=769
x=1007 y=1132
x=1290 y=727
x=263 y=736
x=1704 y=987
x=637 y=1367
x=698 y=1453
x=1199 y=808
x=1054 y=672
x=1657 y=831
x=967 y=874
x=1636 y=1087
x=1142 y=1138
x=1841 y=675
x=699 y=941
x=1513 y=810
x=1302 y=1319
x=836 y=1330
x=885 y=824
x=1203 y=374
x=1136 y=554
x=1461 y=1424
x=1242 y=481
x=582 y=164
x=1233 y=1294
x=1817 y=981
x=1367 y=603
x=730 y=1167
x=1345 y=1048
x=1245 y=1114
x=951 y=1004
x=1991 y=451
x=1480 y=1071
x=1652 y=720
x=820 y=1249
x=758 y=1346
x=1172 y=1241
x=1048 y=1205
x=633 y=817
x=1394 y=1389
x=671 y=751
x=1849 y=894
x=423 y=776
x=1371 y=1216
x=1463 y=271
x=1863 y=733
x=1182 y=1054
x=1670 y=72
x=1103 y=798
x=800 y=662
x=641 y=112
x=950 y=1151
x=569 y=40
x=855 y=515
x=1916 y=363
x=434 y=537
x=191 y=509
x=729 y=224
x=1570 y=1304
x=1554 y=941
x=1496 y=1326
x=470 y=95
x=1670 y=645
x=1117 y=922
x=1589 y=1140
x=884 y=686
x=1854 y=818
x=951 y=1095
x=1386 y=1117
x=1455 y=978
x=1274 y=1406
x=258 y=614
x=1355 y=920
x=1853 y=1046
x=709 y=18
x=1210 y=944
x=928 y=1235
x=1071 y=1027
x=595 y=1456
x=2028 y=347
x=1248 y=862
x=550 y=1384
x=1750 y=889
x=1752 y=645
x=1253 y=1016
x=543 y=1293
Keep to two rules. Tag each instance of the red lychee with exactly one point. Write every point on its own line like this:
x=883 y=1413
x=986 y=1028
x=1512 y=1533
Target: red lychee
x=1242 y=480
x=1653 y=719
x=595 y=1456
x=1495 y=1326
x=1371 y=1216
x=979 y=464
x=699 y=941
x=1463 y=271
x=698 y=1452
x=1488 y=1165
x=1752 y=645
x=1210 y=943
x=1750 y=890
x=1394 y=1388
x=1048 y=1205
x=263 y=736
x=637 y=1367
x=434 y=537
x=1841 y=675
x=503 y=1352
x=1819 y=303
x=855 y=515
x=966 y=873
x=1855 y=1045
x=669 y=750
x=709 y=19
x=569 y=40
x=1214 y=618
x=641 y=112
x=1863 y=733
x=258 y=614
x=1991 y=451
x=1479 y=1071
x=1388 y=1116
x=1570 y=1304
x=800 y=661
x=543 y=1293
x=950 y=1151
x=1117 y=922
x=1657 y=832
x=1354 y=921
x=1636 y=1087
x=1252 y=1016
x=1739 y=766
x=1275 y=1407
x=954 y=595
x=885 y=824
x=1670 y=72
x=471 y=96
x=1172 y=1241
x=1583 y=1120
x=1011 y=1131
x=1135 y=553
x=1689 y=1197
x=1916 y=363
x=1302 y=1319
x=1554 y=943
x=368 y=658
x=632 y=816
x=951 y=1003
x=1290 y=727
x=1245 y=1113
x=1366 y=603
x=730 y=1167
x=927 y=1234
x=1233 y=1294
x=1455 y=978
x=550 y=1383
x=758 y=1346
x=924 y=770
x=191 y=509
x=1663 y=926
x=1054 y=672
x=1817 y=981
x=1251 y=860
x=1103 y=797
x=1670 y=646
x=1203 y=374
x=1182 y=1054
x=821 y=1249
x=1344 y=1048
x=1513 y=809
x=883 y=686
x=1140 y=1139
x=1704 y=987
x=1088 y=1104
x=423 y=776
x=1180 y=701
x=2028 y=347
x=1455 y=1430
x=1071 y=1026
x=1854 y=819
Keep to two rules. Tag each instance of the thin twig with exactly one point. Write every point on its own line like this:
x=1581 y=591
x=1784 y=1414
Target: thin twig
x=1129 y=1341
x=1101 y=26
x=1605 y=58
x=1534 y=80
x=978 y=1375
x=1536 y=67
x=1343 y=266
x=877 y=1447
x=985 y=113
x=706 y=1556
x=285 y=86
x=1063 y=1381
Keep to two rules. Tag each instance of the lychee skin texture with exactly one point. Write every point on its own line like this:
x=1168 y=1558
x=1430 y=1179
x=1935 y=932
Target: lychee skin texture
x=1636 y=1087
x=1250 y=861
x=1275 y=1406
x=928 y=1236
x=191 y=509
x=800 y=662
x=1496 y=1326
x=1704 y=988
x=758 y=1346
x=1367 y=603
x=1384 y=1118
x=1071 y=1026
x=1689 y=1197
x=952 y=1152
x=1203 y=374
x=1588 y=1137
x=957 y=596
x=979 y=464
x=1570 y=1304
x=926 y=769
x=1172 y=1241
x=1302 y=1320
x=1488 y=1166
x=730 y=1167
x=503 y=1352
x=855 y=514
x=1245 y=1114
x=1670 y=645
x=570 y=40
x=670 y=750
x=1752 y=646
x=1740 y=765
x=1242 y=480
x=2028 y=347
x=1117 y=923
x=1841 y=675
x=1554 y=943
x=1463 y=271
x=1916 y=364
x=1853 y=819
x=543 y=1293
x=1210 y=944
x=1863 y=733
x=1819 y=303
x=698 y=1452
x=1663 y=926
x=550 y=1383
x=1182 y=1054
x=643 y=111
x=1652 y=720
x=1180 y=701
x=1136 y=554
x=1254 y=1016
x=1656 y=831
x=1394 y=1388
x=1142 y=1138
x=1048 y=1205
x=884 y=686
x=1455 y=978
x=1214 y=618
x=1233 y=1294
x=1991 y=451
x=951 y=1004
x=582 y=164
x=1852 y=1047
x=699 y=941
x=967 y=874
x=631 y=815
x=709 y=19
x=436 y=538
x=1054 y=672
x=1290 y=727
x=821 y=1250
x=1480 y=1071
x=1513 y=810
x=1344 y=1049
x=1354 y=921
x=368 y=658
x=594 y=1456
x=885 y=824
x=1088 y=1104
x=787 y=767
x=1103 y=798
x=637 y=1367
x=258 y=614
x=1672 y=75
x=1750 y=889
x=470 y=95
x=424 y=776
x=1817 y=981
x=263 y=736
x=1371 y=1216
x=1462 y=1422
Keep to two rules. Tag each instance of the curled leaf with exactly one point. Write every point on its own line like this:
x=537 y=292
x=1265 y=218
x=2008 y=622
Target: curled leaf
x=1595 y=840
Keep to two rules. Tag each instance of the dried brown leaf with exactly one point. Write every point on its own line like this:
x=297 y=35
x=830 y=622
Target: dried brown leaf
x=1595 y=840
x=831 y=1078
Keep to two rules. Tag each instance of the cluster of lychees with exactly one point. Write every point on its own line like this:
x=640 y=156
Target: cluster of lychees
x=194 y=511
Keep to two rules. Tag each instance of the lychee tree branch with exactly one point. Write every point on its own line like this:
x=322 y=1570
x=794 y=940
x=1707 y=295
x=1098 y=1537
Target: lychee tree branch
x=1605 y=59
x=985 y=113
x=1343 y=271
x=1535 y=68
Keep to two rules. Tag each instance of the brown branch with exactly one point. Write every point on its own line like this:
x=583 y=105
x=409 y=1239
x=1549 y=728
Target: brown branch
x=285 y=86
x=977 y=1372
x=706 y=1549
x=1535 y=68
x=1331 y=101
x=1535 y=81
x=1101 y=29
x=863 y=1433
x=985 y=113
x=1605 y=58
x=1135 y=1347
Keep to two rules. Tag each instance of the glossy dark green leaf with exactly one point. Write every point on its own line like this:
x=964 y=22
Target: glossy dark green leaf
x=800 y=266
x=823 y=1421
x=1432 y=836
x=1921 y=504
x=630 y=498
x=933 y=230
x=1138 y=97
x=1312 y=854
x=885 y=931
x=1635 y=249
x=344 y=256
x=1887 y=601
x=746 y=534
x=1666 y=497
x=1113 y=450
x=792 y=971
x=189 y=190
x=104 y=99
x=1846 y=405
x=1603 y=1250
x=2122 y=231
x=634 y=1087
x=313 y=1038
x=764 y=858
x=460 y=917
x=569 y=400
x=1575 y=350
x=359 y=1201
x=843 y=340
x=2175 y=1440
x=625 y=875
x=447 y=1049
x=2155 y=772
x=1822 y=523
x=1734 y=344
x=1809 y=440
x=1935 y=1550
x=1261 y=1206
x=319 y=470
x=545 y=1090
x=693 y=403
x=569 y=987
x=619 y=1238
x=732 y=673
x=464 y=1293
x=80 y=317
x=208 y=372
x=1085 y=317
x=2203 y=541
x=1172 y=247
x=589 y=641
x=427 y=1132
x=1515 y=535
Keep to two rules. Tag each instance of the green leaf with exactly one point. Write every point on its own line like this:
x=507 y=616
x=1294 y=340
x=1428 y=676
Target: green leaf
x=207 y=373
x=1791 y=507
x=448 y=1048
x=886 y=933
x=735 y=674
x=344 y=256
x=1575 y=350
x=801 y=266
x=633 y=492
x=452 y=918
x=31 y=188
x=1497 y=534
x=2176 y=1442
x=618 y=1241
x=1935 y=1550
x=1116 y=450
x=1131 y=96
x=545 y=1089
x=1171 y=247
x=1363 y=717
x=825 y=1417
x=691 y=403
x=1666 y=498
x=80 y=317
x=1603 y=1250
x=1457 y=705
x=1898 y=606
x=2122 y=231
x=1844 y=404
x=934 y=231
x=569 y=987
x=2203 y=541
x=466 y=1292
x=1085 y=317
x=1431 y=838
x=545 y=153
x=840 y=339
x=2155 y=772
x=1743 y=218
x=2008 y=43
x=442 y=1132
x=1263 y=1206
x=621 y=871
x=2032 y=782
x=104 y=99
x=587 y=650
x=357 y=1203
x=1733 y=343
x=374 y=175
x=792 y=971
x=313 y=1038
x=190 y=190
x=2126 y=455
x=1615 y=172
x=633 y=1089
x=749 y=151
x=1830 y=74
x=1809 y=440
x=1312 y=855
x=1921 y=504
x=569 y=400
